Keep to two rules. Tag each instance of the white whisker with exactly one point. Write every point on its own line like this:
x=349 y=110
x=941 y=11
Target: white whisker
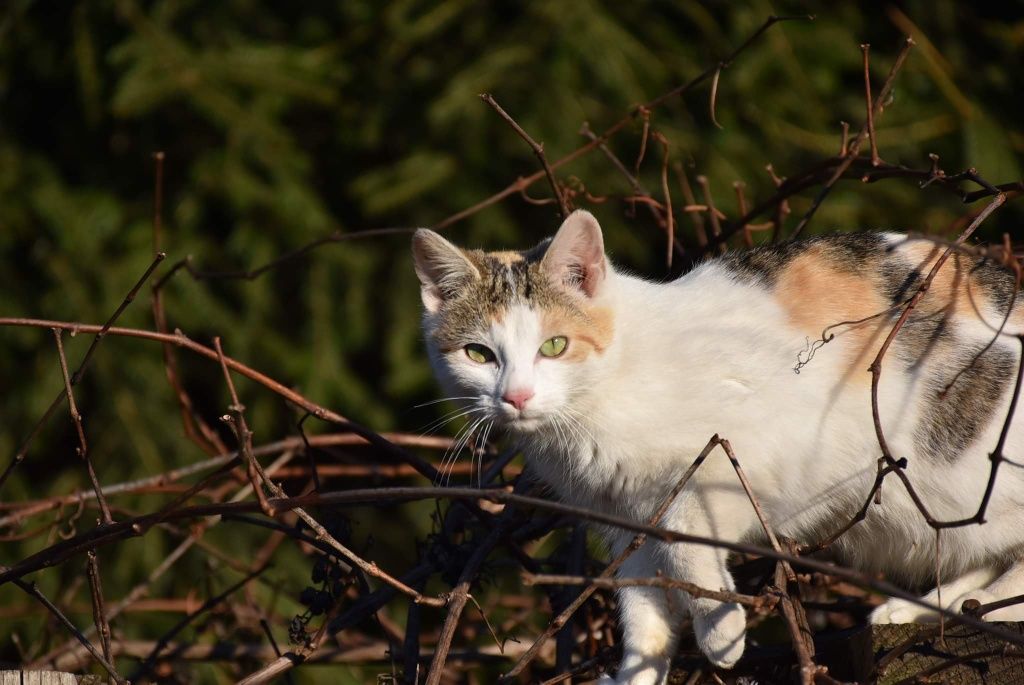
x=447 y=418
x=443 y=399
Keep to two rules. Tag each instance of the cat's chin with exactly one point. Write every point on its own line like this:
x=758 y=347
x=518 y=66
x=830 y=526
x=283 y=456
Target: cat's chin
x=524 y=425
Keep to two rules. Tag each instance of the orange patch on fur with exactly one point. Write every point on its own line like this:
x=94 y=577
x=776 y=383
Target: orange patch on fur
x=589 y=332
x=507 y=257
x=816 y=295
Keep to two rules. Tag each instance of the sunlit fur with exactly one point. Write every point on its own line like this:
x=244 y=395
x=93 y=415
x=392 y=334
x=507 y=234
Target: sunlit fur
x=653 y=370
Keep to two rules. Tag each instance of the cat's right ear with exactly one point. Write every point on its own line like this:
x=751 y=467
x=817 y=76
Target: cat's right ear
x=575 y=257
x=441 y=267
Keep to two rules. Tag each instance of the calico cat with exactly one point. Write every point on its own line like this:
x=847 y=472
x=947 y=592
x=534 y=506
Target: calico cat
x=613 y=384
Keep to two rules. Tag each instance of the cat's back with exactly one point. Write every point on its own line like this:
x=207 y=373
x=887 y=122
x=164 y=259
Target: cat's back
x=822 y=308
x=855 y=285
x=798 y=325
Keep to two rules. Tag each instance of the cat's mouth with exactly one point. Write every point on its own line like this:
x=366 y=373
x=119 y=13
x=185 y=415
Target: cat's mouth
x=523 y=424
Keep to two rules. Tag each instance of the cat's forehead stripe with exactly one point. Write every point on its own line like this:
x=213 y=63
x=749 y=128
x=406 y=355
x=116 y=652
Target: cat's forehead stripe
x=505 y=279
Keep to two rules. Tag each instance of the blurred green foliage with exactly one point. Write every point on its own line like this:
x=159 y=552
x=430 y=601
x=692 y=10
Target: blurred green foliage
x=282 y=122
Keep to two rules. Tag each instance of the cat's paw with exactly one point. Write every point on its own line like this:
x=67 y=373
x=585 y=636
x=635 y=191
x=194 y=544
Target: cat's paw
x=1014 y=612
x=721 y=634
x=638 y=669
x=901 y=611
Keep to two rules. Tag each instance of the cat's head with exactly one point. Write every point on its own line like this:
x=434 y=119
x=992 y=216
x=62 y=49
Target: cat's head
x=518 y=335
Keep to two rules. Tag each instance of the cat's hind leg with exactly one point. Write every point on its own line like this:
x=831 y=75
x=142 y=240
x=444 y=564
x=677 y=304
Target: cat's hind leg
x=953 y=595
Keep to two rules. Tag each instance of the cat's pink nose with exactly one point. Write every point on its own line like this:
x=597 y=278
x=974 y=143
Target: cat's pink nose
x=518 y=398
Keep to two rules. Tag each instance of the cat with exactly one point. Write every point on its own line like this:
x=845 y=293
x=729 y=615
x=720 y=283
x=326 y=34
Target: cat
x=612 y=384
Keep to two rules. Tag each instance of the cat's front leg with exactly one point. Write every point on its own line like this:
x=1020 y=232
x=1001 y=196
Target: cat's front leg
x=649 y=618
x=719 y=627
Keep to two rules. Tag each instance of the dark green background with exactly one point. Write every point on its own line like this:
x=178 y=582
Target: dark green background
x=282 y=122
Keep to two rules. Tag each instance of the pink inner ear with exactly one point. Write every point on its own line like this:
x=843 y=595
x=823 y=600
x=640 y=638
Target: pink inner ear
x=575 y=257
x=440 y=266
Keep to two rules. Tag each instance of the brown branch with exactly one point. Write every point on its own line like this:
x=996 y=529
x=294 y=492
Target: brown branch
x=235 y=652
x=196 y=429
x=107 y=534
x=640 y=193
x=1017 y=272
x=716 y=227
x=99 y=612
x=538 y=150
x=696 y=217
x=244 y=435
x=714 y=97
x=874 y=111
x=22 y=510
x=76 y=416
x=100 y=331
x=670 y=221
x=645 y=114
x=142 y=588
x=181 y=340
x=785 y=581
x=460 y=594
x=149 y=662
x=519 y=184
x=741 y=208
x=32 y=590
x=869 y=104
x=605 y=583
x=876 y=365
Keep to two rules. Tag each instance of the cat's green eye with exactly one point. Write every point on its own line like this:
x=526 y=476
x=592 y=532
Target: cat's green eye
x=554 y=347
x=479 y=353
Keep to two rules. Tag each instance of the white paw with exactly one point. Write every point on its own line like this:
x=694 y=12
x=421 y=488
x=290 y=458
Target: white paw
x=902 y=611
x=1014 y=612
x=721 y=634
x=638 y=669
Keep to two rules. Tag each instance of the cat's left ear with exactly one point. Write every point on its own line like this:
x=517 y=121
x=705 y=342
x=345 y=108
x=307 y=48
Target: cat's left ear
x=441 y=267
x=575 y=258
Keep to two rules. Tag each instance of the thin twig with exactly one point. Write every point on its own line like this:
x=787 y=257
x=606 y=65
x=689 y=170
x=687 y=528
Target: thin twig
x=869 y=104
x=32 y=590
x=101 y=331
x=244 y=435
x=149 y=662
x=538 y=150
x=605 y=583
x=99 y=611
x=76 y=416
x=876 y=365
x=670 y=221
x=716 y=226
x=460 y=594
x=875 y=109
